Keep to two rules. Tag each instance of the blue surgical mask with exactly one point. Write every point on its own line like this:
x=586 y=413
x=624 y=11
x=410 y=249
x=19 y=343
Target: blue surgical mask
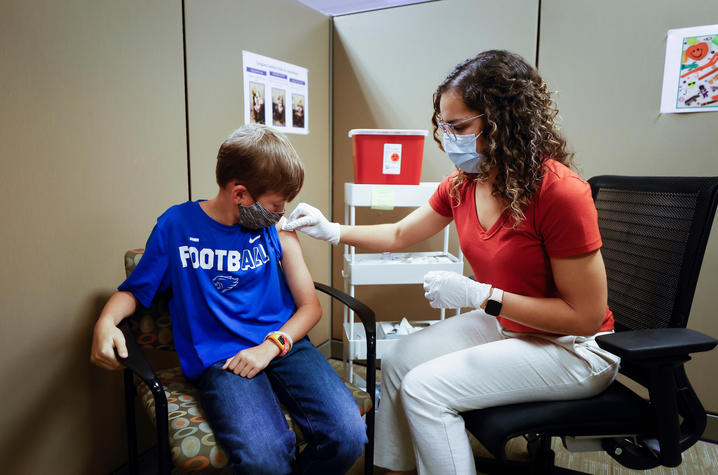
x=462 y=152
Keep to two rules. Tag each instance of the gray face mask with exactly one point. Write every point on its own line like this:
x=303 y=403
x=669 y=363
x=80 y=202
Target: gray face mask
x=257 y=216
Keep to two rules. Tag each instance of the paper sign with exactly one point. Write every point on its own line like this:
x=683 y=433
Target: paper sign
x=275 y=93
x=690 y=73
x=382 y=198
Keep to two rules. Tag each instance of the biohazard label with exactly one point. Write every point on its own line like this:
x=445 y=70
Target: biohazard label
x=392 y=159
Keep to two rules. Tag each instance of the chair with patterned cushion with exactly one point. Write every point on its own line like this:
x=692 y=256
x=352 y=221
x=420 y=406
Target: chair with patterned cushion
x=184 y=438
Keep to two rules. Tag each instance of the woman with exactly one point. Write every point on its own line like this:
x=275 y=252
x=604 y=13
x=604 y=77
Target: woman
x=528 y=228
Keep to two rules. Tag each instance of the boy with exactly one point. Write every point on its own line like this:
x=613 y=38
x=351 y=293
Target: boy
x=243 y=302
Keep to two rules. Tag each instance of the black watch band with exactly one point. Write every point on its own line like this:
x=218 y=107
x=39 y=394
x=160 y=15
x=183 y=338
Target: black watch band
x=495 y=302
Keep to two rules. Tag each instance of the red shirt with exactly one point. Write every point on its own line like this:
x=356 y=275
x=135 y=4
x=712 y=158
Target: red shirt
x=561 y=221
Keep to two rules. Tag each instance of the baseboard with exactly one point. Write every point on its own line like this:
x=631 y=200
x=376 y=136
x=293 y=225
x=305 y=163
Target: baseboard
x=711 y=432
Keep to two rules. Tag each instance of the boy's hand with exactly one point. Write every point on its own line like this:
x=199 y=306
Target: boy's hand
x=248 y=363
x=105 y=339
x=311 y=221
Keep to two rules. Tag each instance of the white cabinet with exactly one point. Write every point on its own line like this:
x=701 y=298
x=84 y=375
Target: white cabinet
x=386 y=268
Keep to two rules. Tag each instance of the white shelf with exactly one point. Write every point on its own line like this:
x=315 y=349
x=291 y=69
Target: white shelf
x=397 y=268
x=404 y=195
x=386 y=268
x=355 y=341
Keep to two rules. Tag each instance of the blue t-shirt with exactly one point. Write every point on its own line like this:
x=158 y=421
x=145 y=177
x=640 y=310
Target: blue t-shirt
x=228 y=290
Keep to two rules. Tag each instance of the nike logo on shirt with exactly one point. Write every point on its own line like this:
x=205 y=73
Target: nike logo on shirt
x=251 y=240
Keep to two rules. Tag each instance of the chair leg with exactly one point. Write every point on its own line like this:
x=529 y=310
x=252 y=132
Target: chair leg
x=130 y=423
x=164 y=457
x=543 y=458
x=371 y=387
x=369 y=447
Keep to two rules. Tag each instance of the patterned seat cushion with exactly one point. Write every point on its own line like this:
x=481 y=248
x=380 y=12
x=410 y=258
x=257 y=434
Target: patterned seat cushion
x=191 y=438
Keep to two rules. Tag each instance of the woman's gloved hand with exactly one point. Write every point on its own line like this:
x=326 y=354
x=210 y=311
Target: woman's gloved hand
x=311 y=221
x=446 y=289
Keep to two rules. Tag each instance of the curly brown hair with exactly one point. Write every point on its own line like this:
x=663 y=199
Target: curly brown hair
x=520 y=125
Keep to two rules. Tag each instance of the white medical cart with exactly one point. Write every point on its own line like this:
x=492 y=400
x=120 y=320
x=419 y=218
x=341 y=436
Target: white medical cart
x=386 y=268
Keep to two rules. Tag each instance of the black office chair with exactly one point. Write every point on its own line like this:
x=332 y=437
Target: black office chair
x=184 y=438
x=654 y=232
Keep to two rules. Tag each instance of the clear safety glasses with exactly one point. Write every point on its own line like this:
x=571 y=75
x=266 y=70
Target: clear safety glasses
x=448 y=127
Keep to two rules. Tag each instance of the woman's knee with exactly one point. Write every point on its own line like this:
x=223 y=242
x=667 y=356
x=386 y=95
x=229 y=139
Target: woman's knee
x=416 y=388
x=400 y=359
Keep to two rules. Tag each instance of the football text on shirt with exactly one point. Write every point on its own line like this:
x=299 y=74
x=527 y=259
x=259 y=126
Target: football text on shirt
x=223 y=260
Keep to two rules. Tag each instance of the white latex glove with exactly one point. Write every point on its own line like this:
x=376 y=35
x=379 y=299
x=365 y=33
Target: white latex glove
x=311 y=221
x=446 y=289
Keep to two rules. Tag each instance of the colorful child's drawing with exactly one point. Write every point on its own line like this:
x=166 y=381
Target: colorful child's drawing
x=698 y=82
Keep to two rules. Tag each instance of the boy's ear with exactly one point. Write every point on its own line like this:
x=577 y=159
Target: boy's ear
x=239 y=194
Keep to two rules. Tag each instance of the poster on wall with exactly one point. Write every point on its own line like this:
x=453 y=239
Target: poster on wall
x=690 y=73
x=275 y=93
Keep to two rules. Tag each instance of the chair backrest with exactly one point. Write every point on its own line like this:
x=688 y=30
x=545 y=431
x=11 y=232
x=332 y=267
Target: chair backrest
x=654 y=232
x=152 y=326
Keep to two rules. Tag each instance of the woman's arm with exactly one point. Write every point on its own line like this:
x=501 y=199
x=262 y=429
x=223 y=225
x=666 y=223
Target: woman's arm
x=420 y=224
x=581 y=282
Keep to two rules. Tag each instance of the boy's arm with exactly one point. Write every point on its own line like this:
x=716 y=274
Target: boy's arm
x=300 y=282
x=106 y=336
x=249 y=362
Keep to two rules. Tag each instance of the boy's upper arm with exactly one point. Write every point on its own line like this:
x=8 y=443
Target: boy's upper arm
x=295 y=269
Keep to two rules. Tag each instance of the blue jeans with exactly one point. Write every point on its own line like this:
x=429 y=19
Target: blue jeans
x=249 y=425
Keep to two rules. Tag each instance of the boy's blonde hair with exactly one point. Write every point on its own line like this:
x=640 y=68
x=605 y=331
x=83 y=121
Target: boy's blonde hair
x=261 y=159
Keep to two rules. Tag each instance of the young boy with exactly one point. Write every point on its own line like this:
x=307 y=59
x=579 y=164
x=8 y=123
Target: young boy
x=243 y=302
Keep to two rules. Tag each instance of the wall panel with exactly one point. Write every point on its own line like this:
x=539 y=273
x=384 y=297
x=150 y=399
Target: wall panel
x=287 y=30
x=92 y=150
x=606 y=59
x=387 y=64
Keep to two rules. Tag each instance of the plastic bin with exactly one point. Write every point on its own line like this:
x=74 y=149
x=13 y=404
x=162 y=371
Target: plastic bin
x=387 y=156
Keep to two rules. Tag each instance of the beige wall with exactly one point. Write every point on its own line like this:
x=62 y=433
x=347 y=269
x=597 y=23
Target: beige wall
x=92 y=150
x=605 y=59
x=92 y=143
x=387 y=65
x=287 y=30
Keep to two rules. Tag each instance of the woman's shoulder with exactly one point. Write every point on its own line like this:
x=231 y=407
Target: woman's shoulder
x=558 y=177
x=555 y=170
x=562 y=190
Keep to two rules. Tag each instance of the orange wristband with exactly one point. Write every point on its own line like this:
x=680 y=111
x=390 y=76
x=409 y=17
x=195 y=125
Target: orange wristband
x=281 y=341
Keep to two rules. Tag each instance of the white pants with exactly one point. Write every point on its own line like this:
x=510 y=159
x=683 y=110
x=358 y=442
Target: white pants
x=469 y=362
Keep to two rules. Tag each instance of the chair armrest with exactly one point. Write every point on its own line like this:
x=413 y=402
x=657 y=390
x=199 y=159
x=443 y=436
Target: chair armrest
x=365 y=314
x=654 y=358
x=658 y=343
x=137 y=362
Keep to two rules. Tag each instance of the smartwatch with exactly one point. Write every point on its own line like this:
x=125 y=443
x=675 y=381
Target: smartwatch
x=494 y=303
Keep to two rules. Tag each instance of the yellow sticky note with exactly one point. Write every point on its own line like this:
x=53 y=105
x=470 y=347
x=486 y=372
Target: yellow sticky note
x=382 y=198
